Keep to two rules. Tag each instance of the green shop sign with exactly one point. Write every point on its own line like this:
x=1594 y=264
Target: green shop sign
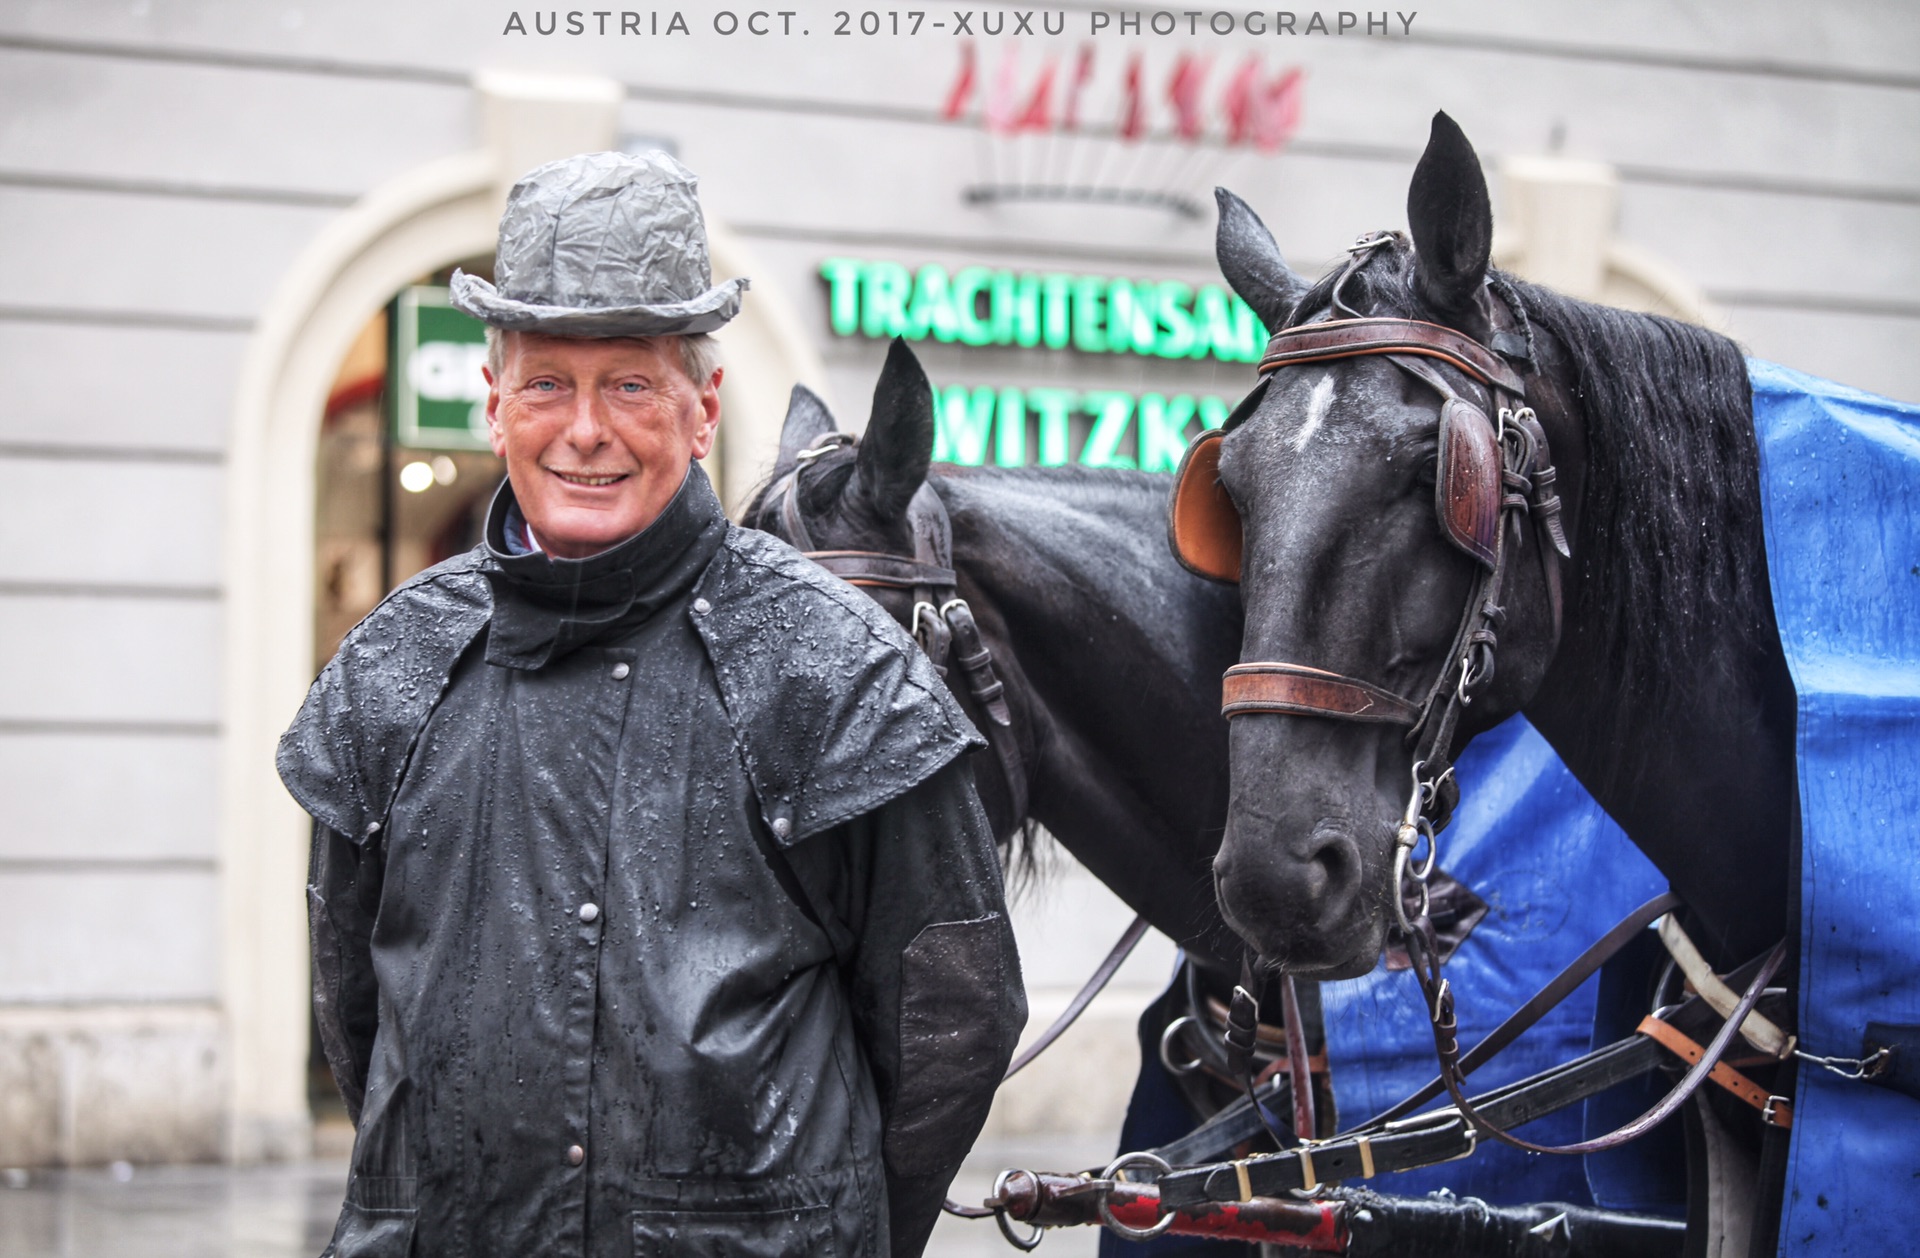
x=1054 y=427
x=979 y=305
x=439 y=395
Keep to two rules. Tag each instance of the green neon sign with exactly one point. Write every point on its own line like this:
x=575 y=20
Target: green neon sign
x=1094 y=314
x=439 y=395
x=988 y=426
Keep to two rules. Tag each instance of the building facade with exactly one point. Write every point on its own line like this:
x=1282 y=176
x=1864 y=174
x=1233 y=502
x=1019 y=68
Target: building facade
x=204 y=207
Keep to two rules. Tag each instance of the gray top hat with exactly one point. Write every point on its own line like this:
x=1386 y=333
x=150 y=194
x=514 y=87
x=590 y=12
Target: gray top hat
x=602 y=245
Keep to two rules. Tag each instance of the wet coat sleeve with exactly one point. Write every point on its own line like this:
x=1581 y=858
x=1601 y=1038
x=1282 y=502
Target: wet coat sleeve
x=937 y=997
x=343 y=897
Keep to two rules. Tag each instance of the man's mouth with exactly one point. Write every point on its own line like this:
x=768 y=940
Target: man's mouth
x=583 y=478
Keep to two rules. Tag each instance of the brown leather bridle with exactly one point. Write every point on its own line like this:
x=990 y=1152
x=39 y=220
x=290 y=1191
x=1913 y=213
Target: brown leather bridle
x=941 y=621
x=1490 y=472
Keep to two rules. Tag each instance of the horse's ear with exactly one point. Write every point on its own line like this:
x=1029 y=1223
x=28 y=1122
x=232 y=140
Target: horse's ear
x=1451 y=218
x=808 y=420
x=898 y=446
x=1251 y=261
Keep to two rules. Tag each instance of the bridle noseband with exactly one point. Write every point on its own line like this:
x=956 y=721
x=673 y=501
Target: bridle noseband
x=941 y=621
x=1489 y=474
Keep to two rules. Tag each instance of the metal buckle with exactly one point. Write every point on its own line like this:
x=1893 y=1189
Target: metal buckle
x=1025 y=1244
x=1105 y=1185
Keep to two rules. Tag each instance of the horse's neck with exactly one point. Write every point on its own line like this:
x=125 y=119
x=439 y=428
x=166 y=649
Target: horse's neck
x=1113 y=654
x=1703 y=781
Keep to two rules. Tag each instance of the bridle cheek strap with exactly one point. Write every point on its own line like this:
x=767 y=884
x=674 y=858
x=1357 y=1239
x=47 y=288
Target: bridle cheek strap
x=1297 y=690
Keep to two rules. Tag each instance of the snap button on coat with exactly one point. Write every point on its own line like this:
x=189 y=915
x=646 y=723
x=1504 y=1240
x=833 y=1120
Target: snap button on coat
x=620 y=671
x=589 y=912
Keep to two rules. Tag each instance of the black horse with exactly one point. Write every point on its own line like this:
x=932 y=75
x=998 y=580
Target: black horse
x=1655 y=669
x=1107 y=648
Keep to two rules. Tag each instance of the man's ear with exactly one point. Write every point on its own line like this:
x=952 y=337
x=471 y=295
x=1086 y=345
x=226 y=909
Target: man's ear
x=709 y=427
x=495 y=437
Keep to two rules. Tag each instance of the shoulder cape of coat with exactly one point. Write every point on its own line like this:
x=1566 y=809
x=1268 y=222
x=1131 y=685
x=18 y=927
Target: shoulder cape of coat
x=834 y=709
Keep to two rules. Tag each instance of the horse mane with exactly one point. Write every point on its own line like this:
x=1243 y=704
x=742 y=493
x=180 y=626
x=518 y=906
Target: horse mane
x=1669 y=547
x=1671 y=550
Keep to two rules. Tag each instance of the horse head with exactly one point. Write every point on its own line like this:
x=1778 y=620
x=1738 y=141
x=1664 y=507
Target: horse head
x=1365 y=476
x=831 y=492
x=864 y=509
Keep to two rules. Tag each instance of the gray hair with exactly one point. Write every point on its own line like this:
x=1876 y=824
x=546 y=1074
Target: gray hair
x=699 y=353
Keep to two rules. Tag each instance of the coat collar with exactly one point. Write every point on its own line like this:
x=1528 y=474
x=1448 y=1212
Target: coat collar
x=545 y=607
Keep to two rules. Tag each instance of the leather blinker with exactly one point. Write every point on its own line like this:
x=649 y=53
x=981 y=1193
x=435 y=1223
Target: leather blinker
x=1203 y=525
x=1467 y=481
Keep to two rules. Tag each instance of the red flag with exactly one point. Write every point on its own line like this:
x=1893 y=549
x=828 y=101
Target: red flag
x=962 y=87
x=1001 y=105
x=1038 y=115
x=1133 y=118
x=1279 y=114
x=1082 y=71
x=1183 y=92
x=1238 y=102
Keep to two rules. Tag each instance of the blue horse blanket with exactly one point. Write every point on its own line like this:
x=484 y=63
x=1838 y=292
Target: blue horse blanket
x=1840 y=486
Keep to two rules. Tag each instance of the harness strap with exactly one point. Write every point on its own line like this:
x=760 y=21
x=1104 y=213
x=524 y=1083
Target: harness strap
x=1354 y=338
x=1760 y=1032
x=1440 y=1004
x=1296 y=689
x=1095 y=984
x=1777 y=1111
x=1561 y=986
x=873 y=569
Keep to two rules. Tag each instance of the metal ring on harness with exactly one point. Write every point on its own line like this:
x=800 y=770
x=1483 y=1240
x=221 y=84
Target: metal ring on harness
x=1151 y=1160
x=931 y=611
x=1166 y=1046
x=1025 y=1244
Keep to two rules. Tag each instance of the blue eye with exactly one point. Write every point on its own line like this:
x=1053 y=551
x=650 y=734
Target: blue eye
x=544 y=386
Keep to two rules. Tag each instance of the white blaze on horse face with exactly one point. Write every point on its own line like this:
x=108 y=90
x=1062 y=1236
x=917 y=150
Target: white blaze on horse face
x=1319 y=402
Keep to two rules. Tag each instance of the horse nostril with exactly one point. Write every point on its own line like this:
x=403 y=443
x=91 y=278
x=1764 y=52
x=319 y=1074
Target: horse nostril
x=1329 y=870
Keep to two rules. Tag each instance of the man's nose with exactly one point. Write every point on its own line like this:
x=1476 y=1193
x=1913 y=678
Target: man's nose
x=587 y=426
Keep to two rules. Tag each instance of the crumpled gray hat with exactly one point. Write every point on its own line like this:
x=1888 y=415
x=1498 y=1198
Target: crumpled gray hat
x=602 y=245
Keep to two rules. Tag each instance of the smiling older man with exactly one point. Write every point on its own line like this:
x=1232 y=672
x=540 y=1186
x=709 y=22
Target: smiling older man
x=652 y=909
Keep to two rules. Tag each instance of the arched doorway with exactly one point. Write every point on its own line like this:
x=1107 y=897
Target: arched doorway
x=415 y=225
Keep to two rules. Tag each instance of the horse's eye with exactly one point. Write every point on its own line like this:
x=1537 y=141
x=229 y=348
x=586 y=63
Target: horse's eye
x=1428 y=473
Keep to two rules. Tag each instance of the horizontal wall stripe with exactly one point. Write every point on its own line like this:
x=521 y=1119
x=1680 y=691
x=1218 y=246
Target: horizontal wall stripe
x=1690 y=62
x=108 y=865
x=108 y=454
x=174 y=188
x=125 y=318
x=1823 y=303
x=1768 y=185
x=91 y=589
x=158 y=729
x=225 y=59
x=990 y=246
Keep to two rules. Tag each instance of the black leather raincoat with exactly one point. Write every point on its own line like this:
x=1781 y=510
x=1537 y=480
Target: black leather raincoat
x=652 y=908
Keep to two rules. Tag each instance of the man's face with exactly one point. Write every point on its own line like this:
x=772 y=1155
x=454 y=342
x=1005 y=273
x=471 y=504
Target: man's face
x=597 y=434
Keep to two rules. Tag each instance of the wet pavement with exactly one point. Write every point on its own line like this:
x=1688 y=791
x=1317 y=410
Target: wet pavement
x=287 y=1211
